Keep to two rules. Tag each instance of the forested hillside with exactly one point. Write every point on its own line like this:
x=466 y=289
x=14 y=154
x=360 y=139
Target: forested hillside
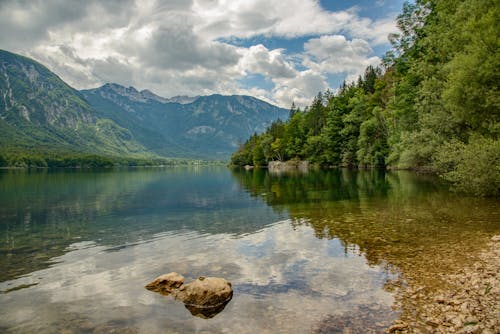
x=433 y=104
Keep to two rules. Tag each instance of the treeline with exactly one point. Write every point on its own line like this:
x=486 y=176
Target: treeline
x=27 y=159
x=433 y=104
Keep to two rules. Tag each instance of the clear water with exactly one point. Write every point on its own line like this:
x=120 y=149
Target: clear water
x=305 y=252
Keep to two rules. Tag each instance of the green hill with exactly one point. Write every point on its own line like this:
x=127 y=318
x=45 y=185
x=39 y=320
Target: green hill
x=41 y=114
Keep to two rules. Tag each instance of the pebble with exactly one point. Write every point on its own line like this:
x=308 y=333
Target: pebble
x=397 y=327
x=432 y=322
x=467 y=304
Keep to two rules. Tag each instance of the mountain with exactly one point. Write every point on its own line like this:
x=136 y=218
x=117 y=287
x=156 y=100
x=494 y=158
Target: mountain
x=40 y=112
x=41 y=115
x=209 y=127
x=183 y=99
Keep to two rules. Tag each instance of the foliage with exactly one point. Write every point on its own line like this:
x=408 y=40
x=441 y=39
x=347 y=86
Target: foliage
x=435 y=104
x=65 y=159
x=347 y=129
x=472 y=167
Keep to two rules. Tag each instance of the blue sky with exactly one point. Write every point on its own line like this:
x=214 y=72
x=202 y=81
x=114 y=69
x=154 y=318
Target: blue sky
x=277 y=50
x=369 y=8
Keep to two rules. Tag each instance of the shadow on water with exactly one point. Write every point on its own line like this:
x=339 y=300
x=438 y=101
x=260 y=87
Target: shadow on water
x=286 y=189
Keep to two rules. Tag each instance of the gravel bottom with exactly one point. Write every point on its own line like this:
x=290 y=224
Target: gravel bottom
x=468 y=301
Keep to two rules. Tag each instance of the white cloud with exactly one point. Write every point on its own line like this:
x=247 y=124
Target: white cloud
x=300 y=89
x=291 y=18
x=375 y=32
x=335 y=54
x=258 y=59
x=176 y=47
x=337 y=45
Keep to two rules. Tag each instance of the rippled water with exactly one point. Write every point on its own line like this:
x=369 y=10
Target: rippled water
x=305 y=253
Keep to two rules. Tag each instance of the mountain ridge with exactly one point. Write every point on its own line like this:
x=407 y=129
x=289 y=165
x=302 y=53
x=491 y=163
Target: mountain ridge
x=40 y=113
x=38 y=110
x=209 y=126
x=146 y=94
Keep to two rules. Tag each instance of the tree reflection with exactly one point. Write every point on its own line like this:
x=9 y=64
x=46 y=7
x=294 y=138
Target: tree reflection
x=399 y=218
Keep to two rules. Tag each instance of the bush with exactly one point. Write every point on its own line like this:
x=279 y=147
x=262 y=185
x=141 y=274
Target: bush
x=472 y=168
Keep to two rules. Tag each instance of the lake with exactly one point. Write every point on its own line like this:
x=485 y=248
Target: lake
x=306 y=253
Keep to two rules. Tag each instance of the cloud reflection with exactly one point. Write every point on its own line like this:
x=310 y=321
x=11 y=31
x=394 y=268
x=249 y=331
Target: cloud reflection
x=284 y=279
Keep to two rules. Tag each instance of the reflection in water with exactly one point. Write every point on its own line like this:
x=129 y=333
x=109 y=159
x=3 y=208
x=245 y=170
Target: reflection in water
x=284 y=280
x=44 y=213
x=304 y=253
x=206 y=312
x=402 y=218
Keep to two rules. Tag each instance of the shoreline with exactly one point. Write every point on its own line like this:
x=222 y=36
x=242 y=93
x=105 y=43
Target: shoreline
x=468 y=302
x=177 y=164
x=304 y=166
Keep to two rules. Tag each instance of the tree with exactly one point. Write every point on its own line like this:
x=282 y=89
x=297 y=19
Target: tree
x=277 y=149
x=435 y=104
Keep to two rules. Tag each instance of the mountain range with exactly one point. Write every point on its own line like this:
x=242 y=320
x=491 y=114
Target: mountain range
x=39 y=112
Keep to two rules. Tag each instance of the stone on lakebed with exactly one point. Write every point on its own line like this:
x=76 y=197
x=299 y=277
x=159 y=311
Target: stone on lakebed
x=167 y=283
x=204 y=297
x=205 y=292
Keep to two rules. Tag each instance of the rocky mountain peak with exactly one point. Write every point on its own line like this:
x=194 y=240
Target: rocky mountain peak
x=149 y=95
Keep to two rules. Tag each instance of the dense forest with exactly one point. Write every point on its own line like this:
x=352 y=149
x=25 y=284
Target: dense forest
x=37 y=158
x=432 y=105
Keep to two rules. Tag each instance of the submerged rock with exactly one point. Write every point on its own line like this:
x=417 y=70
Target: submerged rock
x=369 y=318
x=167 y=283
x=204 y=297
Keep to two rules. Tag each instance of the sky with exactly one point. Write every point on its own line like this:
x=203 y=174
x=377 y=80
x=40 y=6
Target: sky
x=281 y=51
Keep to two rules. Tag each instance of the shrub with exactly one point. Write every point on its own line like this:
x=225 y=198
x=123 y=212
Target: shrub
x=472 y=168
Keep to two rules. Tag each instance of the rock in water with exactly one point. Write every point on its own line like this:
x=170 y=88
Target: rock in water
x=204 y=297
x=205 y=292
x=167 y=283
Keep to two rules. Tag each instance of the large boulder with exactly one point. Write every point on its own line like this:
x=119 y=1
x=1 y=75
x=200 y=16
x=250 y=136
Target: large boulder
x=204 y=297
x=205 y=292
x=166 y=284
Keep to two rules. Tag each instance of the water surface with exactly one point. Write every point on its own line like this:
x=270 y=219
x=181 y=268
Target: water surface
x=305 y=253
